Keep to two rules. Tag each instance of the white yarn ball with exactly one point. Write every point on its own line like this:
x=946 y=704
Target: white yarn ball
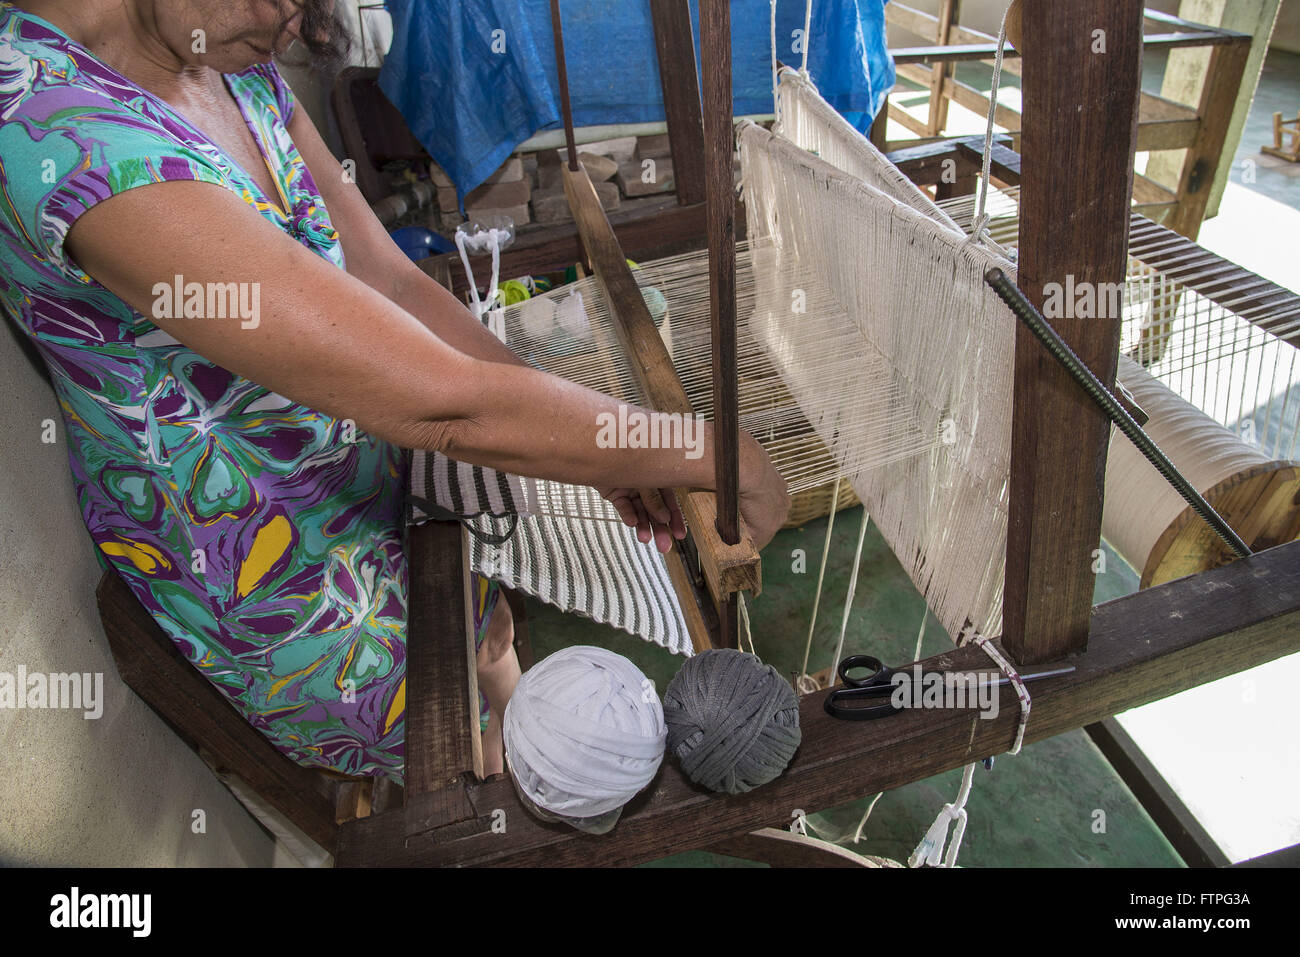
x=584 y=732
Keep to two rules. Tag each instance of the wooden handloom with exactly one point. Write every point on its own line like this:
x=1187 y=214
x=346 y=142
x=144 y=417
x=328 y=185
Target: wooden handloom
x=1128 y=652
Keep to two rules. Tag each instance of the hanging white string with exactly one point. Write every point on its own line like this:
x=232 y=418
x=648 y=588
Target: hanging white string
x=930 y=850
x=848 y=599
x=805 y=683
x=484 y=240
x=857 y=834
x=744 y=623
x=807 y=39
x=776 y=105
x=920 y=635
x=981 y=218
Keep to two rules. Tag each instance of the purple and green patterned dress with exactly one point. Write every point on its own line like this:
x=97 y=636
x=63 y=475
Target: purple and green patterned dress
x=267 y=545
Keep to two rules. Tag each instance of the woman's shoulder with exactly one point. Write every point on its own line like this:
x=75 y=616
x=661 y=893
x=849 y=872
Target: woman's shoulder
x=51 y=85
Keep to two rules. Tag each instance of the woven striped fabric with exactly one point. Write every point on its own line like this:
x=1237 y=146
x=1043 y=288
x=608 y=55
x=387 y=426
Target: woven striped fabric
x=562 y=544
x=439 y=483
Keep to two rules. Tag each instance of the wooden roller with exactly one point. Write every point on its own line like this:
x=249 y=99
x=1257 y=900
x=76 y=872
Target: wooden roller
x=1149 y=523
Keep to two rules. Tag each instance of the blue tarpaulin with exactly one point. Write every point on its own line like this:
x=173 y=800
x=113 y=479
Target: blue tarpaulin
x=475 y=78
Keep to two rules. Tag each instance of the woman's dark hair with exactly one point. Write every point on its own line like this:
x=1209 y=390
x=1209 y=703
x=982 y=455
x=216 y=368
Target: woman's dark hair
x=322 y=33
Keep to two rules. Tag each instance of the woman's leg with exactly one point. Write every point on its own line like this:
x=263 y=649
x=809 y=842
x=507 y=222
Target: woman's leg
x=498 y=673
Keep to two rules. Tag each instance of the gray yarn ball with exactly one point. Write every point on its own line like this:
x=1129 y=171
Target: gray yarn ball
x=733 y=722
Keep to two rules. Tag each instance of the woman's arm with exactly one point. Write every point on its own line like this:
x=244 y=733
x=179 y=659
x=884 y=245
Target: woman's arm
x=377 y=261
x=327 y=340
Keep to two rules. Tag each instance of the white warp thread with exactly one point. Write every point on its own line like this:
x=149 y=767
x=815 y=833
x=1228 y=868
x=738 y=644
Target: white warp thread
x=1139 y=504
x=914 y=291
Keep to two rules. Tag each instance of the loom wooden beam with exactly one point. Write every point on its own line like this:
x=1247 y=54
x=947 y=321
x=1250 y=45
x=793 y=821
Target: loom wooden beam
x=949 y=11
x=720 y=217
x=442 y=717
x=926 y=163
x=1144 y=647
x=727 y=568
x=1080 y=125
x=1162 y=125
x=562 y=70
x=1260 y=301
x=720 y=214
x=679 y=79
x=1176 y=821
x=987 y=51
x=1218 y=98
x=651 y=231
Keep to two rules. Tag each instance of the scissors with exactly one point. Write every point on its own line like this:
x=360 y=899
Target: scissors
x=880 y=684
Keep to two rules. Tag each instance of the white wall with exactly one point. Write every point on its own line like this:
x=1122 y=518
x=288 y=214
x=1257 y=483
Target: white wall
x=119 y=790
x=1286 y=33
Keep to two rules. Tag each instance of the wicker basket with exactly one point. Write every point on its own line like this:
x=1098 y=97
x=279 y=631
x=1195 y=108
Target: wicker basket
x=813 y=503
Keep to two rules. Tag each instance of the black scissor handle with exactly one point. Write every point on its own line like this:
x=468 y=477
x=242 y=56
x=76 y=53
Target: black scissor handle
x=873 y=687
x=877 y=668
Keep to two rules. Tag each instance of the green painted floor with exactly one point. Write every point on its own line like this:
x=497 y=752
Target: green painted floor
x=1036 y=809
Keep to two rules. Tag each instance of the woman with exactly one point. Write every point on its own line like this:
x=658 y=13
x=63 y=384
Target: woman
x=243 y=466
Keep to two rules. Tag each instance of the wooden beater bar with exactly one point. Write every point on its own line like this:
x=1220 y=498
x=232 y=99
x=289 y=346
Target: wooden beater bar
x=720 y=204
x=727 y=566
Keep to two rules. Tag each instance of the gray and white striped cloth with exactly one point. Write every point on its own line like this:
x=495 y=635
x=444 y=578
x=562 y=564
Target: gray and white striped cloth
x=581 y=560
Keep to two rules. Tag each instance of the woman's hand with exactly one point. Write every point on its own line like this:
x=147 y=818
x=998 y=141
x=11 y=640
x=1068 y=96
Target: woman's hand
x=653 y=512
x=764 y=499
x=764 y=502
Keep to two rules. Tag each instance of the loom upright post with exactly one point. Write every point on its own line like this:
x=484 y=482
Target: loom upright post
x=562 y=70
x=719 y=140
x=679 y=79
x=1081 y=86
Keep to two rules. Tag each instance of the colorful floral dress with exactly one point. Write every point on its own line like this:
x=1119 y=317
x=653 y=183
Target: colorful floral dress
x=264 y=537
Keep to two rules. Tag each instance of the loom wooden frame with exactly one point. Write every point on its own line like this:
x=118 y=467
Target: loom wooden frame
x=1139 y=648
x=1200 y=129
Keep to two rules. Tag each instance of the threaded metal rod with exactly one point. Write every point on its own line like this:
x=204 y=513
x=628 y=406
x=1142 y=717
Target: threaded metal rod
x=1027 y=313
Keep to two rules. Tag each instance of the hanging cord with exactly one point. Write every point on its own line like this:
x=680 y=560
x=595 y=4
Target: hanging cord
x=807 y=29
x=805 y=683
x=1018 y=683
x=853 y=586
x=930 y=850
x=744 y=623
x=484 y=240
x=981 y=222
x=776 y=103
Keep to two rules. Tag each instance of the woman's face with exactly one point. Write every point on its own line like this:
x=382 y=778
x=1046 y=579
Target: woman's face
x=227 y=35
